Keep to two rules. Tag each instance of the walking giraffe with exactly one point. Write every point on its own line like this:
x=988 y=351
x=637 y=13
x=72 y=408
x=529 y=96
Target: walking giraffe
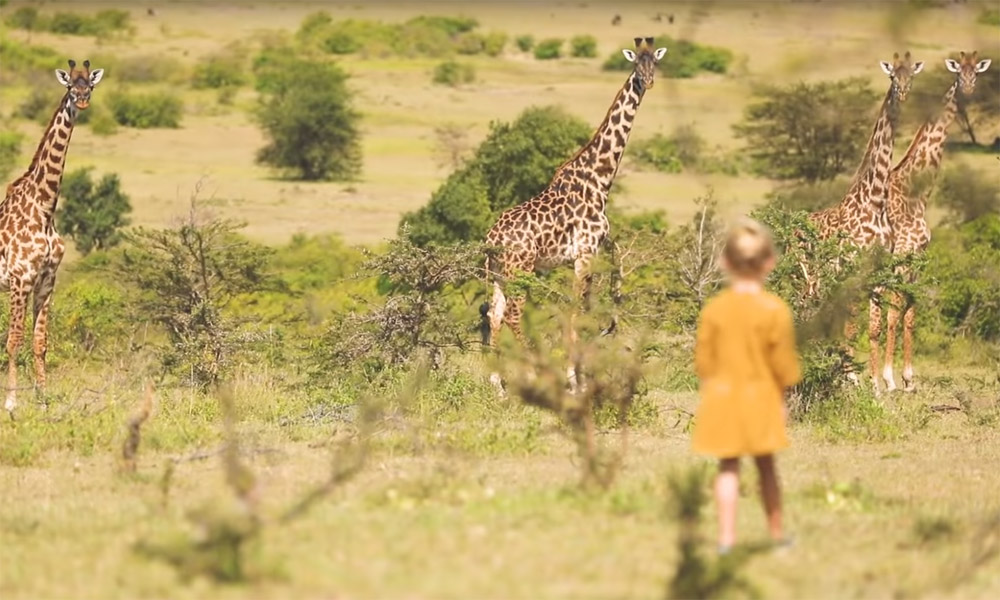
x=861 y=216
x=910 y=231
x=30 y=248
x=566 y=222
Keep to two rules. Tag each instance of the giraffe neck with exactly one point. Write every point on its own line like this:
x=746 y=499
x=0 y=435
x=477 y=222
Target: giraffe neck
x=599 y=158
x=870 y=185
x=926 y=148
x=47 y=165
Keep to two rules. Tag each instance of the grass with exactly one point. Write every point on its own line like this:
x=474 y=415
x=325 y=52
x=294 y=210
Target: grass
x=475 y=497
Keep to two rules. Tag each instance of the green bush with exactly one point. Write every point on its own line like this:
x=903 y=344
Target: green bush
x=102 y=122
x=92 y=316
x=25 y=17
x=961 y=267
x=454 y=73
x=514 y=162
x=220 y=70
x=105 y=22
x=583 y=46
x=93 y=215
x=10 y=151
x=38 y=105
x=549 y=49
x=989 y=17
x=26 y=60
x=145 y=111
x=432 y=36
x=525 y=42
x=682 y=149
x=494 y=43
x=307 y=116
x=968 y=194
x=684 y=59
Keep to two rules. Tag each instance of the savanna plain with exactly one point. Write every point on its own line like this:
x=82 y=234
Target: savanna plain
x=315 y=419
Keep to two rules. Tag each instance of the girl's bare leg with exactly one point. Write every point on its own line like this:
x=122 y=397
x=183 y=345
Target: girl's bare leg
x=727 y=489
x=770 y=494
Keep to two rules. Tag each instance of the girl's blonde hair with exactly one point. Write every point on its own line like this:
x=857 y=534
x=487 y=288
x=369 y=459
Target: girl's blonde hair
x=749 y=247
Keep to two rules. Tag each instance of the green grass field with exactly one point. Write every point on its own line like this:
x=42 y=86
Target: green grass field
x=463 y=495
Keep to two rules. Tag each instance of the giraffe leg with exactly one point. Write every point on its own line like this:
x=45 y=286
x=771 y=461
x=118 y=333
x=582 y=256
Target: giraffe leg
x=874 y=337
x=891 y=322
x=581 y=292
x=512 y=316
x=909 y=318
x=42 y=299
x=496 y=315
x=15 y=335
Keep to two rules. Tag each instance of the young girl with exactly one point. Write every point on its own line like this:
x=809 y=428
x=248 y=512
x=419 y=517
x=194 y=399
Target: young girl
x=745 y=358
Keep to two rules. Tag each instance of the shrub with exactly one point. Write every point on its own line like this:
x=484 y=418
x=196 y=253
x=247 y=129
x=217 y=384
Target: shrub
x=684 y=59
x=583 y=46
x=682 y=149
x=103 y=23
x=220 y=70
x=470 y=43
x=10 y=151
x=93 y=216
x=548 y=49
x=525 y=42
x=92 y=315
x=102 y=122
x=967 y=194
x=514 y=162
x=961 y=266
x=494 y=43
x=454 y=73
x=989 y=17
x=145 y=111
x=22 y=59
x=184 y=280
x=25 y=17
x=37 y=105
x=808 y=131
x=306 y=113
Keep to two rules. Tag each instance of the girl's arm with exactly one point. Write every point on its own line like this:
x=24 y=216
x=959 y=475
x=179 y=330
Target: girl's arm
x=704 y=351
x=783 y=357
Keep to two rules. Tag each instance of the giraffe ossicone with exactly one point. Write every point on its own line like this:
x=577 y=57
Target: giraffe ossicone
x=30 y=248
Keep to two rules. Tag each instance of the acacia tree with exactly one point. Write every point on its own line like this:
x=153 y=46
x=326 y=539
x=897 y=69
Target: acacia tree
x=93 y=215
x=306 y=113
x=810 y=131
x=184 y=279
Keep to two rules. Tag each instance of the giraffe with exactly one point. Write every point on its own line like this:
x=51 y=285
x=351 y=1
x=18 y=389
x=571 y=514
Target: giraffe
x=566 y=222
x=861 y=216
x=30 y=248
x=910 y=231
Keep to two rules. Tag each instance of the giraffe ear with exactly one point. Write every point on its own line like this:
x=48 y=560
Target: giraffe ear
x=952 y=65
x=886 y=67
x=95 y=76
x=63 y=77
x=629 y=55
x=983 y=65
x=660 y=52
x=918 y=67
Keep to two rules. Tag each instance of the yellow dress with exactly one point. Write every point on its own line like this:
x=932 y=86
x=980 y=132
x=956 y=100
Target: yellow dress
x=745 y=356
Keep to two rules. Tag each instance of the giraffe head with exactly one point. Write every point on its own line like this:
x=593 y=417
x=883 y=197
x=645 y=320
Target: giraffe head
x=966 y=68
x=80 y=82
x=901 y=73
x=644 y=57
